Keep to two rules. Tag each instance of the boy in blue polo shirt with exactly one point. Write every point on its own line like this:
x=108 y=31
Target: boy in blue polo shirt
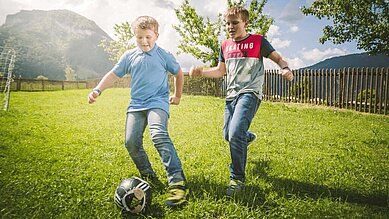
x=148 y=66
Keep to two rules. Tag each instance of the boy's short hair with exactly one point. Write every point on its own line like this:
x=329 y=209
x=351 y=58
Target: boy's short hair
x=145 y=22
x=237 y=11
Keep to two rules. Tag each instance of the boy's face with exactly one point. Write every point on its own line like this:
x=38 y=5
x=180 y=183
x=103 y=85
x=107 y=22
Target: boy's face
x=145 y=39
x=236 y=28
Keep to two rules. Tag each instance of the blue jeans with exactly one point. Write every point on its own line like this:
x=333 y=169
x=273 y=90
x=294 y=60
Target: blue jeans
x=238 y=115
x=157 y=120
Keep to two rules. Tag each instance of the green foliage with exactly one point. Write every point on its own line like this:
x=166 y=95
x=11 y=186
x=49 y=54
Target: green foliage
x=302 y=89
x=363 y=21
x=63 y=158
x=368 y=95
x=116 y=48
x=201 y=37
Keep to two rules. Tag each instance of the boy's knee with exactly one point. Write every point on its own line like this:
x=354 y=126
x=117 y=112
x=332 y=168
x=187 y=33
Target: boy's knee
x=132 y=143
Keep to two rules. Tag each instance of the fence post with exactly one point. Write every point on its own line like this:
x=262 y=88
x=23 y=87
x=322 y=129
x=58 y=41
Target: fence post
x=371 y=90
x=376 y=90
x=341 y=92
x=356 y=88
x=386 y=90
x=19 y=83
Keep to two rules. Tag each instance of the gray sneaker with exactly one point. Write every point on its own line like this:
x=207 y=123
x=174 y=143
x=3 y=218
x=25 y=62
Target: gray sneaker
x=251 y=136
x=234 y=187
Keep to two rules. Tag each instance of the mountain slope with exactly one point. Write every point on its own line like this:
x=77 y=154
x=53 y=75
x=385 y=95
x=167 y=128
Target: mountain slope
x=47 y=42
x=353 y=60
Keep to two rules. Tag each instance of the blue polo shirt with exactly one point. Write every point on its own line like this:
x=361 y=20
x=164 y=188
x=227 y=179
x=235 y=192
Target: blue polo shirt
x=149 y=77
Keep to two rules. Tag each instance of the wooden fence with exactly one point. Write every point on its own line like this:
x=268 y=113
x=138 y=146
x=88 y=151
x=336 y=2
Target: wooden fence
x=361 y=89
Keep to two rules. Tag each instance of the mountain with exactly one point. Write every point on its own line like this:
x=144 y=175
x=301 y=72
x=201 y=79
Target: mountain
x=48 y=42
x=353 y=60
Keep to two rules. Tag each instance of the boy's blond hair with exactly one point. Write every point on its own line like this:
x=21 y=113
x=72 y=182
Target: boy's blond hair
x=237 y=11
x=145 y=22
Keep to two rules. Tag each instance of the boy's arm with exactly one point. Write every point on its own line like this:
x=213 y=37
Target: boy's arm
x=285 y=71
x=215 y=72
x=178 y=85
x=105 y=82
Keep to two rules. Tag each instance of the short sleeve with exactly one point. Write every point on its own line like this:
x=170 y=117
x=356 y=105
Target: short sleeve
x=120 y=69
x=266 y=48
x=172 y=65
x=221 y=56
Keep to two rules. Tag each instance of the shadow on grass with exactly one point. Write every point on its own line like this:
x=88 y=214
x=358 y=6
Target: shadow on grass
x=302 y=189
x=255 y=196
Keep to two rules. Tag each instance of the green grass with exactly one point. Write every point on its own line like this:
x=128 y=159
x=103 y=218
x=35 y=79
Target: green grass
x=63 y=158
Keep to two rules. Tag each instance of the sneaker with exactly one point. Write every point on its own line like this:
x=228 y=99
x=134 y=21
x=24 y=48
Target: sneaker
x=152 y=178
x=149 y=176
x=176 y=194
x=235 y=186
x=251 y=136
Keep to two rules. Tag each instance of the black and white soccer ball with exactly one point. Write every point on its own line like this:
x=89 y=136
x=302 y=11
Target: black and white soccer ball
x=133 y=195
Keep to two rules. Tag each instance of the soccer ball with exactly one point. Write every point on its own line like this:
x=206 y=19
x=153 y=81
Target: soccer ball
x=133 y=195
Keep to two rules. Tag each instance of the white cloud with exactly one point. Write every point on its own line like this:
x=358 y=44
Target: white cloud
x=272 y=36
x=274 y=31
x=293 y=63
x=294 y=29
x=277 y=43
x=318 y=55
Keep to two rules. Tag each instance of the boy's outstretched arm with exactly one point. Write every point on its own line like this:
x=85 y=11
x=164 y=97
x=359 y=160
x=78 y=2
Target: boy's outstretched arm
x=105 y=82
x=215 y=72
x=178 y=85
x=285 y=71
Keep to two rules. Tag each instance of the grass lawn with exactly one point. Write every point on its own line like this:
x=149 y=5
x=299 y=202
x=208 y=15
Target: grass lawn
x=63 y=158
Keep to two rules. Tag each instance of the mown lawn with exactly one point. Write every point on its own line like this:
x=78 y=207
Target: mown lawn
x=63 y=158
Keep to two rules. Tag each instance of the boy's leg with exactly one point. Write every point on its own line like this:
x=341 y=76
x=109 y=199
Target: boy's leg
x=244 y=109
x=158 y=120
x=158 y=125
x=135 y=125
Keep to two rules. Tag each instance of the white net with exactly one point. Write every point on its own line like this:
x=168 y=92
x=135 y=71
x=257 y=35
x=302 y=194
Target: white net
x=7 y=61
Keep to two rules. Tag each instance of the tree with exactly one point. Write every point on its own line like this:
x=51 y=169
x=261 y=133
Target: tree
x=201 y=37
x=363 y=21
x=116 y=48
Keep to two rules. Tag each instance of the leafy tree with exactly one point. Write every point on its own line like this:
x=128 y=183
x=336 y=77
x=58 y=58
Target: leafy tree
x=363 y=21
x=116 y=48
x=201 y=37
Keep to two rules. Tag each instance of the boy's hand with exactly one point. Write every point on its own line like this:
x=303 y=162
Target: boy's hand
x=92 y=97
x=195 y=71
x=287 y=74
x=174 y=100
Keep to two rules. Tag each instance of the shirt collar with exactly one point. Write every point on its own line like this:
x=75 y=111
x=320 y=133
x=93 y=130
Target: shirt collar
x=151 y=52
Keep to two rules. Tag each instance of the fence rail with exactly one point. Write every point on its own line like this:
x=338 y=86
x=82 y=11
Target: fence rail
x=359 y=89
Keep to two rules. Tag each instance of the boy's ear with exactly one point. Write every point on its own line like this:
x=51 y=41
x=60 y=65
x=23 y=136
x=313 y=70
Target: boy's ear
x=246 y=23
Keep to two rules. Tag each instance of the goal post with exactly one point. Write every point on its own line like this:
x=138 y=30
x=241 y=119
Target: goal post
x=7 y=63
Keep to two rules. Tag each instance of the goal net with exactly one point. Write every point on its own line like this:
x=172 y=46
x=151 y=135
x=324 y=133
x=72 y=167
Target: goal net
x=7 y=61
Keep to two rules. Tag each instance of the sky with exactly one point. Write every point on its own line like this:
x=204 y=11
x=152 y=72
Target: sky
x=294 y=35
